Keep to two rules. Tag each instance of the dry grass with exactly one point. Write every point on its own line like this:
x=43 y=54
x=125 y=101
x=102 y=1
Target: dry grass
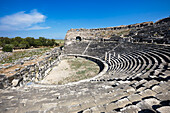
x=81 y=69
x=60 y=42
x=21 y=54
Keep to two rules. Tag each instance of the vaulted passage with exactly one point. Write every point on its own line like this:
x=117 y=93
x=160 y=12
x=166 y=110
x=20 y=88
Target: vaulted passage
x=78 y=38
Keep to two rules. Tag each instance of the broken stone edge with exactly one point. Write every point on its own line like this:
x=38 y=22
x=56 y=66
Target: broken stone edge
x=99 y=61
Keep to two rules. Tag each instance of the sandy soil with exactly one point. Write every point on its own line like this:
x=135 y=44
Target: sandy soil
x=64 y=72
x=58 y=73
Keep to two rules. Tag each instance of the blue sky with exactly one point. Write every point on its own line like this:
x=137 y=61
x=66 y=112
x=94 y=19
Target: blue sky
x=52 y=18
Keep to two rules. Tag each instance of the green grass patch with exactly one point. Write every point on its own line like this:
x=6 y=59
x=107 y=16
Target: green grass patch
x=82 y=68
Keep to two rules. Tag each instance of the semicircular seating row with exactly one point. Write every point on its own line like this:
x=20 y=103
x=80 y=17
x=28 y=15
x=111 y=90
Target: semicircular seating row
x=147 y=64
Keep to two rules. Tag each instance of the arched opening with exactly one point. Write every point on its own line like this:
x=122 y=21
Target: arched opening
x=78 y=38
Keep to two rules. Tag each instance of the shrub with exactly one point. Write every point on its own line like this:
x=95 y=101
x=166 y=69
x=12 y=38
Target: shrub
x=7 y=48
x=24 y=44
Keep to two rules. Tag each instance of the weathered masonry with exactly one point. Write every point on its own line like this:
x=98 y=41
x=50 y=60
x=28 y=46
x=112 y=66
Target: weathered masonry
x=33 y=72
x=150 y=32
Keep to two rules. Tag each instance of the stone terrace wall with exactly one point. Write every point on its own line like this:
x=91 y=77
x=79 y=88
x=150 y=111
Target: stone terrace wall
x=33 y=72
x=98 y=32
x=157 y=32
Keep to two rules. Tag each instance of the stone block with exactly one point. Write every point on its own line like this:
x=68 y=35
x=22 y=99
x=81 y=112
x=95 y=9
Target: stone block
x=123 y=102
x=74 y=108
x=101 y=108
x=130 y=109
x=88 y=104
x=141 y=89
x=151 y=83
x=111 y=107
x=134 y=97
x=143 y=105
x=15 y=82
x=46 y=106
x=95 y=110
x=163 y=96
x=152 y=101
x=164 y=109
x=147 y=93
x=157 y=89
x=130 y=90
x=87 y=111
x=101 y=101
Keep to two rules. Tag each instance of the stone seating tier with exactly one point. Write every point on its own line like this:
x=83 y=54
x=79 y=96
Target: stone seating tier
x=137 y=81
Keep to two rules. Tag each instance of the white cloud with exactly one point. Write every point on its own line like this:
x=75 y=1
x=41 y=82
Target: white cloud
x=37 y=28
x=23 y=21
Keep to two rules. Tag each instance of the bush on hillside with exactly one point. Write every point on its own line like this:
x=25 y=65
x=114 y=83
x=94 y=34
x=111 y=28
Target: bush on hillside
x=7 y=48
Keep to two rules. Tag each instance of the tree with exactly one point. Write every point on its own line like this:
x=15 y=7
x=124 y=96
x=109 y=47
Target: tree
x=43 y=41
x=18 y=39
x=6 y=40
x=49 y=42
x=37 y=43
x=53 y=42
x=30 y=40
x=1 y=44
x=15 y=43
x=7 y=48
x=24 y=44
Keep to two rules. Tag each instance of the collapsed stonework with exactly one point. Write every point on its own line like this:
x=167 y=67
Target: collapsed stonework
x=147 y=31
x=33 y=72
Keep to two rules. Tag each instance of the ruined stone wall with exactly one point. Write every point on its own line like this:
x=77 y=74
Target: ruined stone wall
x=32 y=73
x=150 y=32
x=100 y=33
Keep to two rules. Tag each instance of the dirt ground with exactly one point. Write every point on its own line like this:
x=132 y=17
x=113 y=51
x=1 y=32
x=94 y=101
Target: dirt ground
x=71 y=69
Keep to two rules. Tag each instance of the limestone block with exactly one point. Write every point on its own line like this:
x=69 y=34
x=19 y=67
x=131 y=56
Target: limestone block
x=141 y=89
x=152 y=101
x=88 y=104
x=151 y=83
x=130 y=109
x=62 y=109
x=157 y=89
x=164 y=109
x=87 y=111
x=156 y=72
x=74 y=108
x=101 y=108
x=123 y=102
x=134 y=97
x=46 y=106
x=147 y=93
x=130 y=90
x=15 y=82
x=165 y=85
x=143 y=105
x=111 y=106
x=101 y=101
x=164 y=96
x=167 y=73
x=118 y=96
x=95 y=110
